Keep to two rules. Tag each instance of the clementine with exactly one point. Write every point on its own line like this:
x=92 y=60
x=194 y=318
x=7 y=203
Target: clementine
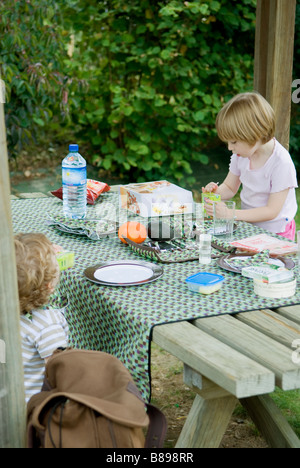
x=134 y=231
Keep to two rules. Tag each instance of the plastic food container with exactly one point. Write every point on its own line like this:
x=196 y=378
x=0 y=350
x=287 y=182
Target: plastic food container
x=275 y=290
x=204 y=283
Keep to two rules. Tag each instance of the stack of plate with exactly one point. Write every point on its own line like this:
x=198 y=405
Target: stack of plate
x=275 y=290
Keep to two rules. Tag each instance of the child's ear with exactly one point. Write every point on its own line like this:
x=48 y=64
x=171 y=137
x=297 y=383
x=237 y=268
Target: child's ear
x=50 y=287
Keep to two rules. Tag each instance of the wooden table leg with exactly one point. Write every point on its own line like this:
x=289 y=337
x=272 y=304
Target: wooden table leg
x=209 y=416
x=206 y=423
x=270 y=422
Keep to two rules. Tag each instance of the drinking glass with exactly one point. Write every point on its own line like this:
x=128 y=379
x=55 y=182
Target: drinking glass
x=224 y=216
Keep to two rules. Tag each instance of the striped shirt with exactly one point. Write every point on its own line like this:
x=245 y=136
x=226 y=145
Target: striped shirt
x=41 y=333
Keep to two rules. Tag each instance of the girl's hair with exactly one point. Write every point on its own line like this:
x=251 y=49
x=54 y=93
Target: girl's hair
x=247 y=117
x=37 y=270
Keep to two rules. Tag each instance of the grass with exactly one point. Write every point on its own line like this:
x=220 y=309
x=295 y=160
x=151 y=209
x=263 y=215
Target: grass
x=289 y=405
x=297 y=217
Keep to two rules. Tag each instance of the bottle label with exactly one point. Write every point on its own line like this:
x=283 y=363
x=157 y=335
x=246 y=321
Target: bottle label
x=71 y=176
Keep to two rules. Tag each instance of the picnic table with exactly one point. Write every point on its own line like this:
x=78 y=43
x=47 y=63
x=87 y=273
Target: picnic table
x=236 y=357
x=234 y=345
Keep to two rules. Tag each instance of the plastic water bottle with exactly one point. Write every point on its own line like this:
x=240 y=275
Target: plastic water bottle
x=74 y=184
x=205 y=249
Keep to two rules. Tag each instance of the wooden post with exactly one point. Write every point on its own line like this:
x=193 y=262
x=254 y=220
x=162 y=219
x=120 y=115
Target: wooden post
x=12 y=396
x=271 y=423
x=273 y=60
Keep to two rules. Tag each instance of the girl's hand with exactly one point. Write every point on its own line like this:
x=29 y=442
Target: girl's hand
x=209 y=207
x=211 y=187
x=217 y=208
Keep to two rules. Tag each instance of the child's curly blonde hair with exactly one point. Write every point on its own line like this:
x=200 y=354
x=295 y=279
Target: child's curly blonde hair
x=37 y=270
x=247 y=117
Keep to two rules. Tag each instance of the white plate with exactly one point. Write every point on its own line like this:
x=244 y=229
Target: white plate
x=123 y=273
x=118 y=273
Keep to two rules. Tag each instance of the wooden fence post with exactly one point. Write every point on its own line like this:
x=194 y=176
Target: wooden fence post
x=273 y=60
x=12 y=396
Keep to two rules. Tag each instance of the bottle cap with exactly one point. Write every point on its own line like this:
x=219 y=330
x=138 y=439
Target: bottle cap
x=73 y=147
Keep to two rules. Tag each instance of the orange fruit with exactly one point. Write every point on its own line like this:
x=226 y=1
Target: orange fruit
x=134 y=231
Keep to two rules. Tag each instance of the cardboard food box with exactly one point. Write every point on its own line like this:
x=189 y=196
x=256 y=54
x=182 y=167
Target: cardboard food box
x=259 y=242
x=212 y=196
x=160 y=198
x=268 y=273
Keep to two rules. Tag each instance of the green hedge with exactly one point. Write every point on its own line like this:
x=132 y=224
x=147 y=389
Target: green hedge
x=31 y=66
x=144 y=83
x=157 y=74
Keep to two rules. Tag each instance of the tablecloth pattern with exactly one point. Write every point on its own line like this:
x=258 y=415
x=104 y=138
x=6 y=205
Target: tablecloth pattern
x=119 y=320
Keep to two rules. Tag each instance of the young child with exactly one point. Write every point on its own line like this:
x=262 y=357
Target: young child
x=258 y=162
x=42 y=329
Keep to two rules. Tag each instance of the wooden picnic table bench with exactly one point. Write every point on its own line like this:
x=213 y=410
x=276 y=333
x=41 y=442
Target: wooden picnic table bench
x=230 y=357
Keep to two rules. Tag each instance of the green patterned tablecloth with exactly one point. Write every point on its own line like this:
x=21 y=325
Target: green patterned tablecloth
x=119 y=320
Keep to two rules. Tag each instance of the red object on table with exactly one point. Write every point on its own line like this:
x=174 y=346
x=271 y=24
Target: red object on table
x=94 y=188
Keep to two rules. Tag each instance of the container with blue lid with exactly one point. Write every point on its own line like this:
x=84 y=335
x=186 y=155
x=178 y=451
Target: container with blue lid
x=204 y=282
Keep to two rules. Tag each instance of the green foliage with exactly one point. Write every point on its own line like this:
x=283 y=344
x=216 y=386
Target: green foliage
x=295 y=110
x=31 y=66
x=288 y=403
x=157 y=73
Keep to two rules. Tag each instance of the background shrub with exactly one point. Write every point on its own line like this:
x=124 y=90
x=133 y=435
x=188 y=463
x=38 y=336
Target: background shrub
x=31 y=65
x=158 y=72
x=138 y=82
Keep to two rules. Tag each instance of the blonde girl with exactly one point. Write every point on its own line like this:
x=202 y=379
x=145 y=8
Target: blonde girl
x=259 y=163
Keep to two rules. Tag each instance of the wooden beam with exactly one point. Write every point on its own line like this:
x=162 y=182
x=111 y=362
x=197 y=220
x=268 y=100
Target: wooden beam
x=256 y=345
x=271 y=324
x=271 y=423
x=273 y=59
x=218 y=362
x=12 y=396
x=261 y=46
x=207 y=422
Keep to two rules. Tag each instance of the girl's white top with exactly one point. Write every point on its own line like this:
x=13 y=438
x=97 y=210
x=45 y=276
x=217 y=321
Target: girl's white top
x=277 y=174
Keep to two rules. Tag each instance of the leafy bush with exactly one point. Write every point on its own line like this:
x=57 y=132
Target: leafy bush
x=31 y=66
x=158 y=73
x=295 y=111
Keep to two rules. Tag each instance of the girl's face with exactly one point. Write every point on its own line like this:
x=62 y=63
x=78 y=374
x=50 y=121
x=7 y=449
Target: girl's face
x=243 y=149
